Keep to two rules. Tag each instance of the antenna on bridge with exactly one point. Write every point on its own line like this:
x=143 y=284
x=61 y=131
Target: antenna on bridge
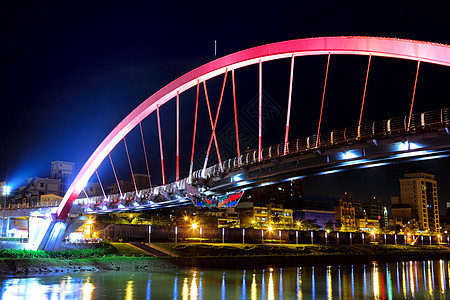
x=215 y=48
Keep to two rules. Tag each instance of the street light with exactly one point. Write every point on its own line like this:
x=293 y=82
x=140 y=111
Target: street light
x=6 y=190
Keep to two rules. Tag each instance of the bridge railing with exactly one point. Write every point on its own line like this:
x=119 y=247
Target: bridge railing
x=418 y=122
x=15 y=206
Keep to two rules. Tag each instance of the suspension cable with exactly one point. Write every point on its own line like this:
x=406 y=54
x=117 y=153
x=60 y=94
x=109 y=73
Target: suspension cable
x=364 y=96
x=414 y=94
x=115 y=175
x=131 y=168
x=145 y=155
x=161 y=146
x=213 y=134
x=100 y=182
x=195 y=129
x=177 y=175
x=86 y=195
x=212 y=124
x=235 y=115
x=286 y=137
x=260 y=113
x=323 y=98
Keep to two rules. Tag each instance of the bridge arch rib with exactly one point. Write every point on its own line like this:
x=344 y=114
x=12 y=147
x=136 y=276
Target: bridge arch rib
x=385 y=47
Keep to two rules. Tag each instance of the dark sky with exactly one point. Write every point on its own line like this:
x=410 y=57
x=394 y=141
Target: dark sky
x=71 y=71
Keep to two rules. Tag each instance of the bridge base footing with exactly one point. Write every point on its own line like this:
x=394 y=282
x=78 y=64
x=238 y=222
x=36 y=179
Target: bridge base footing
x=57 y=231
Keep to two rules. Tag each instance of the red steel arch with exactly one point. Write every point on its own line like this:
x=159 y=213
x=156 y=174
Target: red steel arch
x=387 y=47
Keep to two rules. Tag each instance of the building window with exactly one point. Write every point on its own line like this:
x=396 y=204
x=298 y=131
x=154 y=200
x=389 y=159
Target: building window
x=41 y=185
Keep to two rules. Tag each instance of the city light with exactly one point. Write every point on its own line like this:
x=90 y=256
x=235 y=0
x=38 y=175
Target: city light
x=348 y=155
x=194 y=225
x=270 y=228
x=6 y=190
x=186 y=218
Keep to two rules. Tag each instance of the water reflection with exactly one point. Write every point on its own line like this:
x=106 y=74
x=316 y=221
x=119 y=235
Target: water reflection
x=270 y=294
x=87 y=290
x=406 y=280
x=254 y=292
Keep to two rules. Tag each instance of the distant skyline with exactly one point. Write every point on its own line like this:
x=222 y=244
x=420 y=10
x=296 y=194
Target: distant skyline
x=72 y=71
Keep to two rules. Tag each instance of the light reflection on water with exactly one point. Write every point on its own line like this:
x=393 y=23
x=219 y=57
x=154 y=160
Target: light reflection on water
x=413 y=279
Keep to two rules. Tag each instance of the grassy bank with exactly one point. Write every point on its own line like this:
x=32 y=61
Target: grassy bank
x=236 y=250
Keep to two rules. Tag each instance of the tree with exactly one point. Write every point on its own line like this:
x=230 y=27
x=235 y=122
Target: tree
x=338 y=224
x=329 y=225
x=308 y=224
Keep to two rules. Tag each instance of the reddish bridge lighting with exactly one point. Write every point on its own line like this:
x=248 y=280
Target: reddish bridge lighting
x=387 y=47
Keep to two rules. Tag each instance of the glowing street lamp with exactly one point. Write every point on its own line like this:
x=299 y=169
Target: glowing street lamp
x=88 y=228
x=6 y=190
x=176 y=234
x=194 y=225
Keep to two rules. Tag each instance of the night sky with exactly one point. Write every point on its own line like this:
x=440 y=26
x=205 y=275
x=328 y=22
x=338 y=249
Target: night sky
x=70 y=72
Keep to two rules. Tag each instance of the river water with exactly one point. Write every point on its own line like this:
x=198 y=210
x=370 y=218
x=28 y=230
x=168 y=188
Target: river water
x=401 y=280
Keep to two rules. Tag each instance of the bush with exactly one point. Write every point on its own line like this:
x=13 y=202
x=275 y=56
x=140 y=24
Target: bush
x=100 y=250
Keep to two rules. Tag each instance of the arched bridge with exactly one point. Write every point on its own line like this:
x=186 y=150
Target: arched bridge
x=420 y=135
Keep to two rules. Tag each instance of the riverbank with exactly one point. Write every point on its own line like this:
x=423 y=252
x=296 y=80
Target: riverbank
x=225 y=256
x=26 y=266
x=231 y=256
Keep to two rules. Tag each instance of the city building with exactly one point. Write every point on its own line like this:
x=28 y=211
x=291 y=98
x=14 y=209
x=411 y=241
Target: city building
x=34 y=188
x=260 y=215
x=228 y=218
x=319 y=208
x=64 y=171
x=142 y=183
x=374 y=210
x=418 y=191
x=92 y=189
x=368 y=225
x=49 y=200
x=345 y=213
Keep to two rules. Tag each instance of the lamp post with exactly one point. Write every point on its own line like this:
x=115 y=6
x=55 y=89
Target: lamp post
x=6 y=190
x=223 y=235
x=150 y=234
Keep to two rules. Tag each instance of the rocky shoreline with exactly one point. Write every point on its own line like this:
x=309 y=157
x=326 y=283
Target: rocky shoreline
x=24 y=267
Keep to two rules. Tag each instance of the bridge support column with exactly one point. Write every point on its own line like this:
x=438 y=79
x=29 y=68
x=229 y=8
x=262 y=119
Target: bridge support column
x=56 y=231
